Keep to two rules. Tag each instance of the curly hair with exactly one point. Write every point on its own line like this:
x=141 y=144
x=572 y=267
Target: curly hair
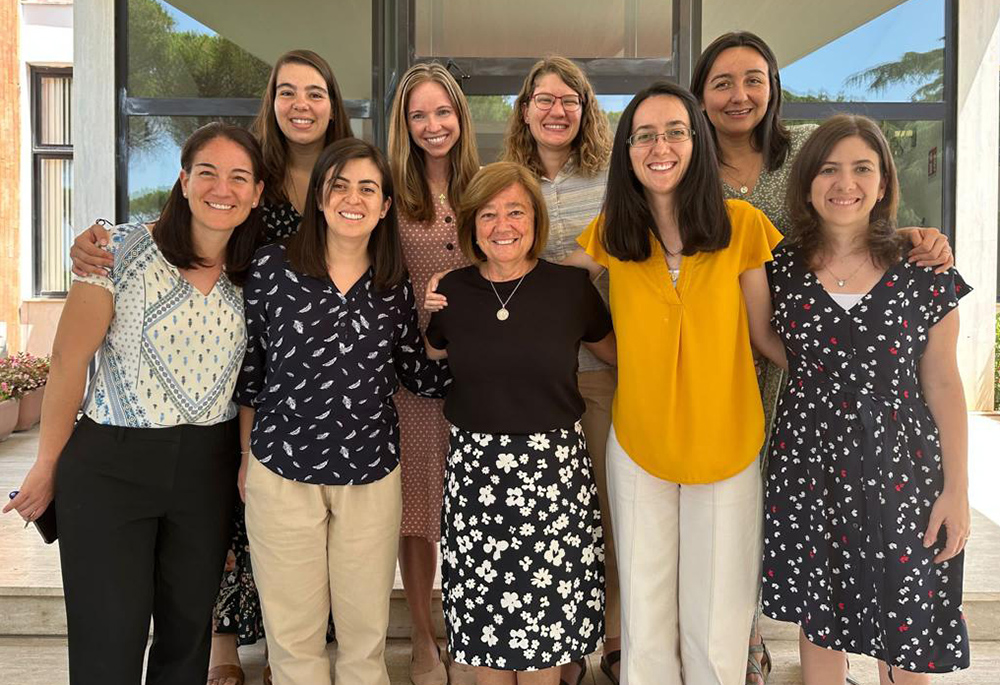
x=592 y=145
x=413 y=194
x=885 y=245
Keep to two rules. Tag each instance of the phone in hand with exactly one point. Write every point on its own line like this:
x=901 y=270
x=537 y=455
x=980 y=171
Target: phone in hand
x=46 y=523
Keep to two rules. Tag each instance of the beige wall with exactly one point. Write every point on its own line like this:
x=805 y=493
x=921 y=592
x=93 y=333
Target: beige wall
x=976 y=192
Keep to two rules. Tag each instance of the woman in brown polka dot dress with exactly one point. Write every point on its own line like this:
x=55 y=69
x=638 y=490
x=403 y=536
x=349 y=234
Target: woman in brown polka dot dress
x=433 y=156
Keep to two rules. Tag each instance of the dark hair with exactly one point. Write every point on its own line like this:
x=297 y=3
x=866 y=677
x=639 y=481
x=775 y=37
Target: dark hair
x=272 y=140
x=487 y=184
x=698 y=200
x=770 y=137
x=172 y=232
x=307 y=247
x=885 y=245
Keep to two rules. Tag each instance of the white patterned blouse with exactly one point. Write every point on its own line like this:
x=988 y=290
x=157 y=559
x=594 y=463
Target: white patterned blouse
x=171 y=354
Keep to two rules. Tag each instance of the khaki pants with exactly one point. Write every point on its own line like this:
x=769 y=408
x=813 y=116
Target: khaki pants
x=689 y=560
x=598 y=391
x=317 y=547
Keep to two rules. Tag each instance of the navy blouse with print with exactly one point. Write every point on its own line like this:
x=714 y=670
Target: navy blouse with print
x=321 y=368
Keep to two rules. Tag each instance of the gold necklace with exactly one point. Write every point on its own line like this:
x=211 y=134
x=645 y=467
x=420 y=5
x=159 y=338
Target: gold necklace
x=841 y=282
x=743 y=186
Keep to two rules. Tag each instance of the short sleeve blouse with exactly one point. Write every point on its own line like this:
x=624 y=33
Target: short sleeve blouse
x=685 y=365
x=172 y=354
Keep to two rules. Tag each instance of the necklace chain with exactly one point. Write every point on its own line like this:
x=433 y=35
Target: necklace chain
x=841 y=282
x=744 y=186
x=503 y=313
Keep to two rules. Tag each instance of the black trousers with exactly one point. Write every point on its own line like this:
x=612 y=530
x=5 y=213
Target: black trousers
x=144 y=521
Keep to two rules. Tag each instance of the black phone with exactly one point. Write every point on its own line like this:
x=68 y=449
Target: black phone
x=46 y=523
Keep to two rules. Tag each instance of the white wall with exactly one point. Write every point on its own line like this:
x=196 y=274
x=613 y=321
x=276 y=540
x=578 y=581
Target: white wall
x=46 y=41
x=976 y=192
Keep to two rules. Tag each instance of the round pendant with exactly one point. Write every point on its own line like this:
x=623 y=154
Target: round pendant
x=744 y=190
x=503 y=314
x=841 y=283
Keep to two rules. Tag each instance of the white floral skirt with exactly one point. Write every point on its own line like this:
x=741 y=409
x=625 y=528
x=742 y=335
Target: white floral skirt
x=522 y=553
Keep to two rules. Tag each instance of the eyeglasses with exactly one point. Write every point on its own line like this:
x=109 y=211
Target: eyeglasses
x=546 y=101
x=648 y=138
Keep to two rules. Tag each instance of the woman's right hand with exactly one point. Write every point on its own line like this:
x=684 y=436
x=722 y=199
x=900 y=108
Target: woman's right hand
x=36 y=492
x=88 y=253
x=433 y=300
x=241 y=476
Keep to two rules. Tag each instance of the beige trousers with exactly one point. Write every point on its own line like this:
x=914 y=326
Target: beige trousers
x=598 y=391
x=317 y=547
x=688 y=559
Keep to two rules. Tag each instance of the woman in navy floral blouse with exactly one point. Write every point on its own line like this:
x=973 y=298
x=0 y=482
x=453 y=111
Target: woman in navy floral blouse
x=867 y=511
x=331 y=329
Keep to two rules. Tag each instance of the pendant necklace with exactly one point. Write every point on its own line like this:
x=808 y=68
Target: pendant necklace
x=841 y=282
x=503 y=313
x=744 y=186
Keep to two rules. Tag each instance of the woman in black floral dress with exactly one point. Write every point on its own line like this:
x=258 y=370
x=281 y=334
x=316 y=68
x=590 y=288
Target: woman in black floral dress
x=866 y=507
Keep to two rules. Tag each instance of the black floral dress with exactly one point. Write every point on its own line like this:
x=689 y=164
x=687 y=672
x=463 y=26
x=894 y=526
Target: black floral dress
x=237 y=608
x=855 y=469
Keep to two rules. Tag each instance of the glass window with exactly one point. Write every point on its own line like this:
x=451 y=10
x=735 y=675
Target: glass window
x=527 y=28
x=52 y=191
x=186 y=48
x=896 y=57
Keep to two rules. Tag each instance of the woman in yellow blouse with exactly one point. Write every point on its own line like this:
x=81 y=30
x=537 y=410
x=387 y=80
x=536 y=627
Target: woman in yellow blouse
x=688 y=297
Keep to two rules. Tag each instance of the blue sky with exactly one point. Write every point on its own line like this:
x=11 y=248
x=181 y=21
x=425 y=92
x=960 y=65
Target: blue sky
x=915 y=25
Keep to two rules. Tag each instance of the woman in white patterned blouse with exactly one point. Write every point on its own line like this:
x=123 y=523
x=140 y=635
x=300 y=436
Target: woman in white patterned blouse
x=145 y=479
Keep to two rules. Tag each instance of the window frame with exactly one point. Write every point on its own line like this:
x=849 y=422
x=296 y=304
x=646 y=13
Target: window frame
x=39 y=153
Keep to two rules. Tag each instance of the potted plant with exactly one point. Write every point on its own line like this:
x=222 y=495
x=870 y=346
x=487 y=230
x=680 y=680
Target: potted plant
x=8 y=411
x=26 y=375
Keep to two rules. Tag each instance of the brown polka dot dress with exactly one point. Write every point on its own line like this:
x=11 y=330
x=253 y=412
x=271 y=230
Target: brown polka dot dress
x=428 y=247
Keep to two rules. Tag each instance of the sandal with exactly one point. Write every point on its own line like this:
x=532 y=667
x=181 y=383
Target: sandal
x=582 y=663
x=607 y=661
x=225 y=672
x=761 y=669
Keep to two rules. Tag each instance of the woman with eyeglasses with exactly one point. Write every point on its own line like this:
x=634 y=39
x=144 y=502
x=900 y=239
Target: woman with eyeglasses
x=558 y=131
x=688 y=296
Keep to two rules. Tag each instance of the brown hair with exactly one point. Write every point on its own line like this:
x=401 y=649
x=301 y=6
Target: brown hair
x=592 y=145
x=483 y=187
x=272 y=140
x=884 y=243
x=172 y=232
x=307 y=247
x=406 y=159
x=770 y=137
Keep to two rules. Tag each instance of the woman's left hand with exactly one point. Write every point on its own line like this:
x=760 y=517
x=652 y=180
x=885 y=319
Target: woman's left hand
x=951 y=510
x=36 y=492
x=930 y=248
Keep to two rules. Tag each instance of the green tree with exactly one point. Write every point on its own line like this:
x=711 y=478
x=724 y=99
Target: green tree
x=490 y=108
x=146 y=206
x=923 y=69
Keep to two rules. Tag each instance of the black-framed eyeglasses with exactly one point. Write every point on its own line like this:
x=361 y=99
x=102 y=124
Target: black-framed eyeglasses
x=648 y=138
x=546 y=101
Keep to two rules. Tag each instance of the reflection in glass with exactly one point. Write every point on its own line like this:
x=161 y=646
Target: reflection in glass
x=896 y=57
x=55 y=212
x=528 y=28
x=171 y=55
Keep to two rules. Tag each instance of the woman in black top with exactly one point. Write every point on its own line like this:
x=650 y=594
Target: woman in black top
x=521 y=550
x=331 y=326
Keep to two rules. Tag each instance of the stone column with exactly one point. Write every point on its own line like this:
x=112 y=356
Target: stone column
x=10 y=171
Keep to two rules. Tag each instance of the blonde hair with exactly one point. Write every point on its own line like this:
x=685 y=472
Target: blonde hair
x=592 y=145
x=413 y=194
x=484 y=186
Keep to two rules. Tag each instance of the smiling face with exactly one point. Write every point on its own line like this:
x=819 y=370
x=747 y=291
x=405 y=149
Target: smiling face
x=432 y=120
x=301 y=103
x=505 y=227
x=354 y=202
x=847 y=186
x=737 y=91
x=554 y=129
x=661 y=166
x=220 y=187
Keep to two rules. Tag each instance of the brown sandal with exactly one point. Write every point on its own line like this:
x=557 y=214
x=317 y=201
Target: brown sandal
x=227 y=672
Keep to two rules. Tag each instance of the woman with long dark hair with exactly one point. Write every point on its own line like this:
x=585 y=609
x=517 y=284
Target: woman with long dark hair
x=144 y=484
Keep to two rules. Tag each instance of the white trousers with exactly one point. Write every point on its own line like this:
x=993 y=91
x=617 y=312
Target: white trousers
x=316 y=548
x=689 y=563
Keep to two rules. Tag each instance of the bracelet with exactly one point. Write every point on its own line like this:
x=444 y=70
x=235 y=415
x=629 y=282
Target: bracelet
x=244 y=452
